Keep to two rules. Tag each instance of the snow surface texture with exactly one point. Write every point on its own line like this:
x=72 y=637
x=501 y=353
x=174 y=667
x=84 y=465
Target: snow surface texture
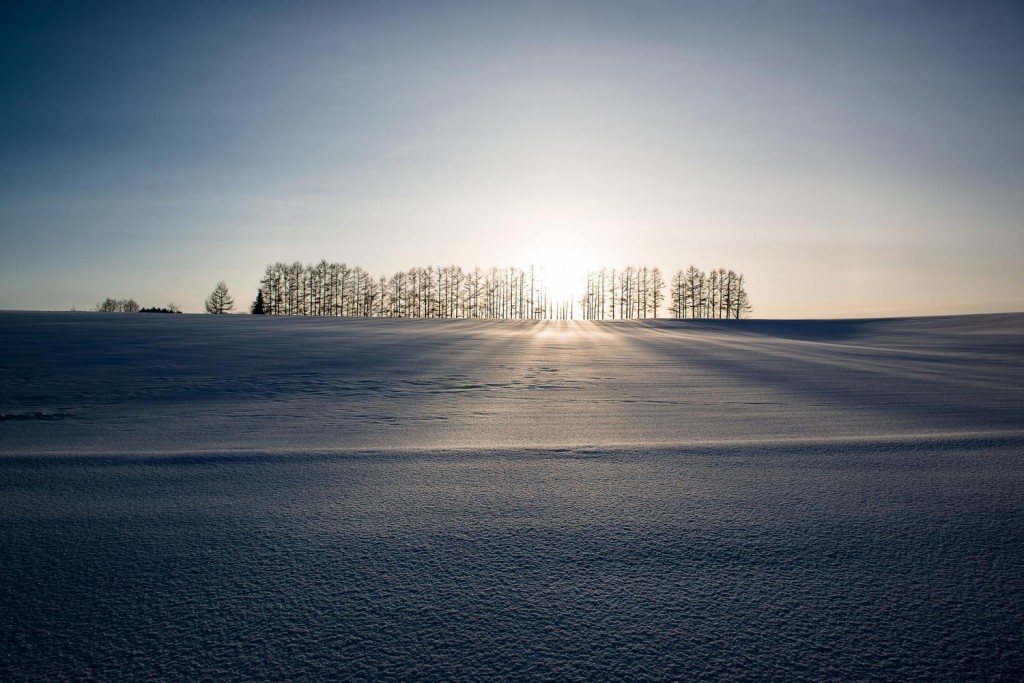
x=240 y=497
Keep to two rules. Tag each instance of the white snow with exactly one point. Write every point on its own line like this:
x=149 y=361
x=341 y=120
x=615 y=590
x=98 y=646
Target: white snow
x=241 y=496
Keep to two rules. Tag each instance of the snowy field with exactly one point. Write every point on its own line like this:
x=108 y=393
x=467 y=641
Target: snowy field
x=240 y=497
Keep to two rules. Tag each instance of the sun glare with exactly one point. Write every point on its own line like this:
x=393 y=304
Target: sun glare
x=564 y=271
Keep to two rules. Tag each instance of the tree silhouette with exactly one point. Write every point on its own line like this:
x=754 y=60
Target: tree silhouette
x=219 y=300
x=336 y=289
x=719 y=293
x=117 y=306
x=258 y=306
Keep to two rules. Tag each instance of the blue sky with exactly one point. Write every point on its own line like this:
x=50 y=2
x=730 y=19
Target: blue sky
x=852 y=159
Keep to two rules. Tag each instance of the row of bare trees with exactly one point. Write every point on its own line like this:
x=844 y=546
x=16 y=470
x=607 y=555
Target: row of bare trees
x=110 y=305
x=335 y=289
x=640 y=293
x=623 y=294
x=716 y=294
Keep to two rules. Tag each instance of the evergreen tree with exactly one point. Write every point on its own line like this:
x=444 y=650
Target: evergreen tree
x=258 y=306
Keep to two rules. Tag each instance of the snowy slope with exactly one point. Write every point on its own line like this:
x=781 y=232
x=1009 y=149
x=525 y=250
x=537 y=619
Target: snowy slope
x=239 y=497
x=152 y=383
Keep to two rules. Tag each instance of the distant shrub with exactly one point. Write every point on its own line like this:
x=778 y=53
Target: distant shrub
x=131 y=306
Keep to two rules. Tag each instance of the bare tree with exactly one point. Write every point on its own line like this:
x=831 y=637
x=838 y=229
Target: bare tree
x=109 y=305
x=694 y=294
x=678 y=292
x=219 y=300
x=657 y=287
x=509 y=292
x=741 y=303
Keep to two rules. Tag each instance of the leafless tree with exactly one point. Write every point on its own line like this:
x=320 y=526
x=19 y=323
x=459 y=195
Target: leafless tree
x=719 y=293
x=219 y=300
x=335 y=289
x=109 y=305
x=657 y=289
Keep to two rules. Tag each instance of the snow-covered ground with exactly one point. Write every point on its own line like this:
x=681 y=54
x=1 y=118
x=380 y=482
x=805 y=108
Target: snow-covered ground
x=238 y=496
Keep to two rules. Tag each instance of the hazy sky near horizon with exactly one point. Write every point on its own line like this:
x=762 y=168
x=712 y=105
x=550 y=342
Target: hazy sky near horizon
x=851 y=158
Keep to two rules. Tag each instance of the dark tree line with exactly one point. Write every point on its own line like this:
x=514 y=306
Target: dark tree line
x=716 y=294
x=109 y=305
x=335 y=289
x=157 y=309
x=632 y=293
x=624 y=294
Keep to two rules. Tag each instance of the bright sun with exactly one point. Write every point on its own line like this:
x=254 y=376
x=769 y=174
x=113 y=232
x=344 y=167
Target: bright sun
x=564 y=271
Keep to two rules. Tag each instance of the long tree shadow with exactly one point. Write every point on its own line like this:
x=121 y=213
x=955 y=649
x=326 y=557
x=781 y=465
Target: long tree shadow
x=847 y=364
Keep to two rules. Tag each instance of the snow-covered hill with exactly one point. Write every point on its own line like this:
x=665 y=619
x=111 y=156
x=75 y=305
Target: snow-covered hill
x=137 y=384
x=238 y=496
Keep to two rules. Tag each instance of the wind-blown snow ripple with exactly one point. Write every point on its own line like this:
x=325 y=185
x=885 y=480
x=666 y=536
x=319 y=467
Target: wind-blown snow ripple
x=846 y=561
x=191 y=497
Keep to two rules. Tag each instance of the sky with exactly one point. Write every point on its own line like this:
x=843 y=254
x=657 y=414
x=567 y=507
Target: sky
x=852 y=159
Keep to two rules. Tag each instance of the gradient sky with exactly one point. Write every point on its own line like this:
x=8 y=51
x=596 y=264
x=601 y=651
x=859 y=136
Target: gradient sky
x=852 y=159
